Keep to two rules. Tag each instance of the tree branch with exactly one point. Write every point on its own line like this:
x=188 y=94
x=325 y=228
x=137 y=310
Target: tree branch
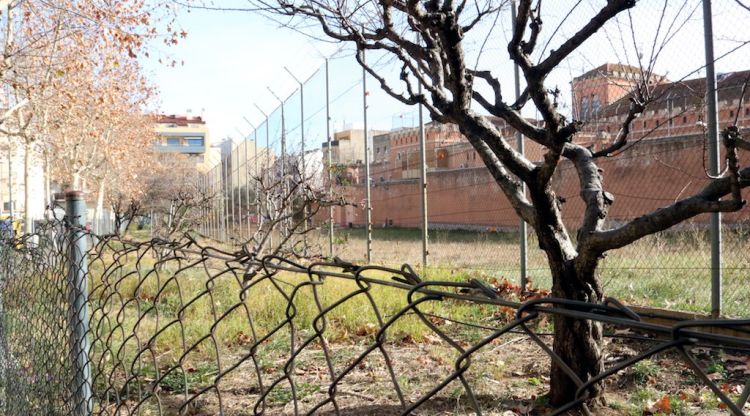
x=707 y=200
x=609 y=11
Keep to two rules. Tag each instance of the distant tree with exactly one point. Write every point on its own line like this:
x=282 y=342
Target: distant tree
x=288 y=205
x=47 y=44
x=174 y=192
x=426 y=40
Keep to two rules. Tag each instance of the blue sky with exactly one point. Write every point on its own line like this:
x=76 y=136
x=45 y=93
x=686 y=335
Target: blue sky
x=230 y=58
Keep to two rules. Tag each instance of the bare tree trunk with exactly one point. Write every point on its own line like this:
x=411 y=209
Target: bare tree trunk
x=76 y=181
x=577 y=342
x=47 y=188
x=99 y=208
x=27 y=221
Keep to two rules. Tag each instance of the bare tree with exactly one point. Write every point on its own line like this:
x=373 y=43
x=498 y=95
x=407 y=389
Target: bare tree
x=426 y=40
x=288 y=206
x=174 y=192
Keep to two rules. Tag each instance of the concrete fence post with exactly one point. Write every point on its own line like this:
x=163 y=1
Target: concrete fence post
x=78 y=318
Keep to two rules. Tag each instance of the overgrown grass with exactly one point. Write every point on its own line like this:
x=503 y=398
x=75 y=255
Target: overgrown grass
x=178 y=324
x=670 y=269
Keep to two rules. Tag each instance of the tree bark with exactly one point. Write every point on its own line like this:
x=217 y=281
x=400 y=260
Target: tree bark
x=99 y=207
x=27 y=220
x=76 y=181
x=47 y=192
x=577 y=342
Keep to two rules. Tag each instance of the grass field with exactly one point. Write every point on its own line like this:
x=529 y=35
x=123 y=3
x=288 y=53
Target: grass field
x=670 y=270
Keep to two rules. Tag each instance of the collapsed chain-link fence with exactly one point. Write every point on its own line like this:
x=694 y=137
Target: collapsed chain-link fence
x=179 y=327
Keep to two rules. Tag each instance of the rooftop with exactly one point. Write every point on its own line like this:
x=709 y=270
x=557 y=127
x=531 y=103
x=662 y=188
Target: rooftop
x=178 y=120
x=685 y=93
x=610 y=70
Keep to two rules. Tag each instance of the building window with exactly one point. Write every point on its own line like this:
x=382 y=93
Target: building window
x=657 y=123
x=195 y=142
x=684 y=119
x=731 y=113
x=173 y=141
x=584 y=108
x=645 y=124
x=747 y=111
x=596 y=105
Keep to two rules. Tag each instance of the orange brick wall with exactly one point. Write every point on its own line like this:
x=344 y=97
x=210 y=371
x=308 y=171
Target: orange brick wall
x=651 y=175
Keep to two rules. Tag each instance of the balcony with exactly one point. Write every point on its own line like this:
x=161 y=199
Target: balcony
x=178 y=148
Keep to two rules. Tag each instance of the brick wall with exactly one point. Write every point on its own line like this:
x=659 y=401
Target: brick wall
x=651 y=175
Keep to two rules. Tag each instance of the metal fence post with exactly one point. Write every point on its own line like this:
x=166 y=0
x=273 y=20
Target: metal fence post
x=523 y=227
x=78 y=319
x=368 y=200
x=712 y=123
x=423 y=191
x=329 y=159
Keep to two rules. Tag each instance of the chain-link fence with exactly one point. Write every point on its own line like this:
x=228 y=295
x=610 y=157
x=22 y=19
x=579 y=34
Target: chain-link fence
x=107 y=326
x=667 y=156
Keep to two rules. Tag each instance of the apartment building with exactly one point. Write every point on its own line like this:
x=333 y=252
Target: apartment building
x=187 y=136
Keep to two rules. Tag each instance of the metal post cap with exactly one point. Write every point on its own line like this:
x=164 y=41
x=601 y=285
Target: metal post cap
x=74 y=195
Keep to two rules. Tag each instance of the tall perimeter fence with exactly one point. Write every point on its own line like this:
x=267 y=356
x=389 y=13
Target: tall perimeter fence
x=404 y=175
x=100 y=325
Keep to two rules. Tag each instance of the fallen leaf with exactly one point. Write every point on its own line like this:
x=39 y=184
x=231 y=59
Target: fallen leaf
x=662 y=405
x=365 y=330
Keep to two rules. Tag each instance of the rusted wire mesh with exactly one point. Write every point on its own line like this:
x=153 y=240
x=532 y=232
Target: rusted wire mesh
x=185 y=328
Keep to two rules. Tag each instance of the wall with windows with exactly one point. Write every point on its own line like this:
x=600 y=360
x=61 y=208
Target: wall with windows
x=186 y=135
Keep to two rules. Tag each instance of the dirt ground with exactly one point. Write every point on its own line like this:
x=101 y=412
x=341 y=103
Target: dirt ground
x=509 y=377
